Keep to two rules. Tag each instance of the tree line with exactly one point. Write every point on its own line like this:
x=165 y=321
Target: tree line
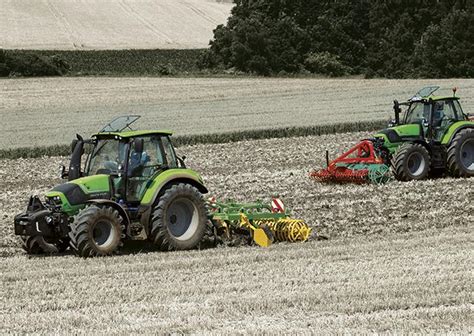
x=392 y=38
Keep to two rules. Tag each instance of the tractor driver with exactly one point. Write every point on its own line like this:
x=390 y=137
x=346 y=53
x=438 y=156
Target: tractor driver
x=137 y=163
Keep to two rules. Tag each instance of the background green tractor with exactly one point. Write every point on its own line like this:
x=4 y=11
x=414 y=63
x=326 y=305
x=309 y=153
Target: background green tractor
x=433 y=135
x=131 y=187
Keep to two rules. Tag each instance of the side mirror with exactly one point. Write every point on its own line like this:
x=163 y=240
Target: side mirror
x=138 y=144
x=181 y=161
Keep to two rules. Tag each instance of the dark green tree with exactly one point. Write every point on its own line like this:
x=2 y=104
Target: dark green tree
x=338 y=37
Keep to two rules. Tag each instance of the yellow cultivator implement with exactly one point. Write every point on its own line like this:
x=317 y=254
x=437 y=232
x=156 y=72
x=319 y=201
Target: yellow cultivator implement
x=264 y=223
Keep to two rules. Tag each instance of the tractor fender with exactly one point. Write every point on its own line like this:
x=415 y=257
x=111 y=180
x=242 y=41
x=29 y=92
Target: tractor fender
x=114 y=205
x=455 y=129
x=169 y=177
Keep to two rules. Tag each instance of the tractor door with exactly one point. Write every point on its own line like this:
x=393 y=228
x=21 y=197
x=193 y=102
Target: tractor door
x=145 y=162
x=419 y=113
x=445 y=113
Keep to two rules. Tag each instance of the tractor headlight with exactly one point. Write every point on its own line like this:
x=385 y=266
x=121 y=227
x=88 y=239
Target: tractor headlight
x=55 y=200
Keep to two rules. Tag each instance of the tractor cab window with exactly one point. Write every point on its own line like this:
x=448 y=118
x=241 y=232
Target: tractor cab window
x=458 y=110
x=106 y=157
x=417 y=112
x=148 y=160
x=143 y=163
x=444 y=114
x=169 y=152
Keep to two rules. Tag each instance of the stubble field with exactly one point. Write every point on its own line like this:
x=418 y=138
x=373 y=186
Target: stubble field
x=124 y=24
x=50 y=111
x=398 y=257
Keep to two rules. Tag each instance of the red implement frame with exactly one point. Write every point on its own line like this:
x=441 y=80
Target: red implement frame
x=339 y=169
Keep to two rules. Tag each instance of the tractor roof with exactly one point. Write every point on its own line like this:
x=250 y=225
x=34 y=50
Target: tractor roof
x=427 y=93
x=131 y=134
x=434 y=98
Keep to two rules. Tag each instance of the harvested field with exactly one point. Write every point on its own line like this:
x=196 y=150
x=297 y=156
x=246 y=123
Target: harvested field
x=418 y=282
x=249 y=170
x=125 y=24
x=44 y=112
x=397 y=258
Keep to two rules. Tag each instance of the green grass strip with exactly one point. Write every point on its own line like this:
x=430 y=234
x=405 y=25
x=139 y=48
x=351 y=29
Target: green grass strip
x=214 y=138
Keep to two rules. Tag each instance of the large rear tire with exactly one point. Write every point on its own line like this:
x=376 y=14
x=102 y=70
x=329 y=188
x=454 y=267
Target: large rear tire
x=97 y=231
x=461 y=154
x=179 y=220
x=411 y=161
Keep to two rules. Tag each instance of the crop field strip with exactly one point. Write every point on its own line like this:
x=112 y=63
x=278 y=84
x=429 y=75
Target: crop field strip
x=50 y=111
x=130 y=62
x=124 y=24
x=398 y=256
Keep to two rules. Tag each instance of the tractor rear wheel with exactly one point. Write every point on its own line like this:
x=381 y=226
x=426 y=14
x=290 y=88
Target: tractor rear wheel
x=461 y=154
x=97 y=231
x=179 y=220
x=411 y=161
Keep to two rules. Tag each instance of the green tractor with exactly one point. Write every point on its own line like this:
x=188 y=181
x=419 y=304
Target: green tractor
x=434 y=137
x=131 y=187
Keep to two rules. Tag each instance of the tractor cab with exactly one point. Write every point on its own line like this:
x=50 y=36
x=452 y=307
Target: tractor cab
x=433 y=114
x=129 y=159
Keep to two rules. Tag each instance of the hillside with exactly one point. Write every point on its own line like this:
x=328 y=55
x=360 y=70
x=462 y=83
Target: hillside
x=124 y=24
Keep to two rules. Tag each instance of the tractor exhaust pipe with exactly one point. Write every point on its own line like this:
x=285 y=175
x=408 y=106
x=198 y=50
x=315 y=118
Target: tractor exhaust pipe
x=397 y=109
x=75 y=164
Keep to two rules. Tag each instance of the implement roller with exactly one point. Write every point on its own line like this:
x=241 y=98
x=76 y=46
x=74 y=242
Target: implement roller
x=263 y=222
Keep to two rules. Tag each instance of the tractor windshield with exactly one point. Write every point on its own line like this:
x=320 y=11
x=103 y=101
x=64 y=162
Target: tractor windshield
x=106 y=157
x=417 y=112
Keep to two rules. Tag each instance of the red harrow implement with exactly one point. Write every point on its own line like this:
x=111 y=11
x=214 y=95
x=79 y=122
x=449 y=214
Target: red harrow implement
x=360 y=164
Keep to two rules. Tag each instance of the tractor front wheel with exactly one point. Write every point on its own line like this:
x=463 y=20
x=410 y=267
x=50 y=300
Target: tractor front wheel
x=411 y=161
x=179 y=220
x=97 y=231
x=461 y=154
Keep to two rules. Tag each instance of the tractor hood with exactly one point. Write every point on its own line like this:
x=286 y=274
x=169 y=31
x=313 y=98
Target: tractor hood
x=73 y=195
x=393 y=136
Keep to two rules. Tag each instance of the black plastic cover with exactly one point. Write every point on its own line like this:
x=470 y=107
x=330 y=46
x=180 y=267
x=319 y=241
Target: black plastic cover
x=73 y=193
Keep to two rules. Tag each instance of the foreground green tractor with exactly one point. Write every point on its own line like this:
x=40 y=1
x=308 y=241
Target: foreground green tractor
x=133 y=186
x=434 y=136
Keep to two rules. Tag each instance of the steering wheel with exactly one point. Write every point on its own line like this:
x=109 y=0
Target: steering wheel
x=445 y=117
